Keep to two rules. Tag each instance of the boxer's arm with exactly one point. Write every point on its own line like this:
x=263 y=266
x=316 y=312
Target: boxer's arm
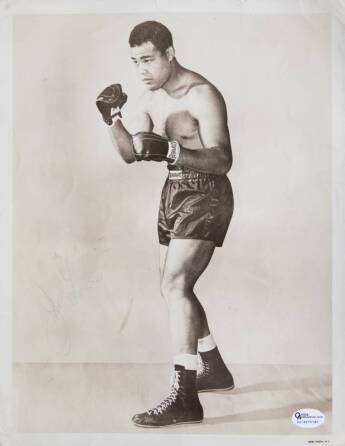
x=109 y=103
x=208 y=107
x=122 y=139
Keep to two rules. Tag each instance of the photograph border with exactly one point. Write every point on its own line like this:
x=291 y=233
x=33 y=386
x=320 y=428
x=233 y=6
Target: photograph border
x=336 y=10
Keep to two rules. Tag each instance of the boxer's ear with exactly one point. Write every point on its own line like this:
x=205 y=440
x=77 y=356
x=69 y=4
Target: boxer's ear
x=170 y=53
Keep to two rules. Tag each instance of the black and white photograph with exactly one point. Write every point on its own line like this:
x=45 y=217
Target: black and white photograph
x=172 y=223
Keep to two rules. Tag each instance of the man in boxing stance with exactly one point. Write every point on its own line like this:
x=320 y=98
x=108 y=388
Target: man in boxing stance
x=189 y=119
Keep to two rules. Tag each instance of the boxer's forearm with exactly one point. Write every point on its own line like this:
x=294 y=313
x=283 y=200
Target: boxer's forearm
x=215 y=160
x=122 y=141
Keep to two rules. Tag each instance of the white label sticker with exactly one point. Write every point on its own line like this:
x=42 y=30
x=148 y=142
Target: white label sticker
x=308 y=418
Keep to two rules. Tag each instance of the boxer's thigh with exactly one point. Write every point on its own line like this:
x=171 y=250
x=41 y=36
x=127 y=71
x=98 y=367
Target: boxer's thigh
x=163 y=249
x=186 y=260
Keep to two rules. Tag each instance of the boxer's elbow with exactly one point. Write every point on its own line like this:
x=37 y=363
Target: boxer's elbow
x=226 y=165
x=127 y=154
x=225 y=162
x=128 y=160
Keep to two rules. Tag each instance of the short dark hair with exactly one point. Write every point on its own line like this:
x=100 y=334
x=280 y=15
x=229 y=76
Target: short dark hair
x=151 y=31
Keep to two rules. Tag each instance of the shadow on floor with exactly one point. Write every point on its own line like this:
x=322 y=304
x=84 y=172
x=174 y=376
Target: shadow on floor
x=295 y=384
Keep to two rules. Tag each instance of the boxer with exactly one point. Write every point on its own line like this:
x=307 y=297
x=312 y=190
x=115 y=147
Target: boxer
x=182 y=121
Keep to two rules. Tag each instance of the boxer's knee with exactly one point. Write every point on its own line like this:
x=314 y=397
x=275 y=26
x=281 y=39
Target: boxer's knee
x=176 y=286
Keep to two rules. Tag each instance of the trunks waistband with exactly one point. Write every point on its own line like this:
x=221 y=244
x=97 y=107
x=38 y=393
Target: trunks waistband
x=181 y=173
x=188 y=174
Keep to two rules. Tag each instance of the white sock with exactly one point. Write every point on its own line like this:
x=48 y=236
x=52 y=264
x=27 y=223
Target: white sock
x=206 y=344
x=189 y=362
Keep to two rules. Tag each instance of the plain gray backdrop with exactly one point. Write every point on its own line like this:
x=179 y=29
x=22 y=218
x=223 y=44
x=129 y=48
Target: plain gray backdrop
x=86 y=283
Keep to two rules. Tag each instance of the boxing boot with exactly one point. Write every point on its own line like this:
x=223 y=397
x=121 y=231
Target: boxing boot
x=212 y=372
x=182 y=405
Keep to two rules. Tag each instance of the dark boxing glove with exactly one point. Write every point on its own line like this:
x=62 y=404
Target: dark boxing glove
x=110 y=102
x=149 y=146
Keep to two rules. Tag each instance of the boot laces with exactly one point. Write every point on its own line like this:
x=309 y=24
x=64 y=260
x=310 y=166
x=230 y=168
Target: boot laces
x=203 y=366
x=171 y=398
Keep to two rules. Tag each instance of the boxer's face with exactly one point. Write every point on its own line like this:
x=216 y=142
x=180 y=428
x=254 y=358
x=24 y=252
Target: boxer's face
x=153 y=67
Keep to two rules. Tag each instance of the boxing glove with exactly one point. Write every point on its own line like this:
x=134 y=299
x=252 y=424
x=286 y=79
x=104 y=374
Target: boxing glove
x=110 y=102
x=149 y=146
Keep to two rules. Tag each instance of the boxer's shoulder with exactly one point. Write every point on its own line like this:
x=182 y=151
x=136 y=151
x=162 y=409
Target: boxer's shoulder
x=205 y=94
x=204 y=91
x=189 y=82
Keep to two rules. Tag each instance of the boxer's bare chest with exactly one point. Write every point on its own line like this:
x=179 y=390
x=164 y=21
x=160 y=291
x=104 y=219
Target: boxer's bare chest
x=173 y=119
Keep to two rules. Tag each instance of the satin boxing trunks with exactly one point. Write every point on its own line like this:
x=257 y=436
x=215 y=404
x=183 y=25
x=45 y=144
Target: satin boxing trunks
x=195 y=205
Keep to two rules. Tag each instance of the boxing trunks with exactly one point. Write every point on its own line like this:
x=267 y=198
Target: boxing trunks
x=194 y=205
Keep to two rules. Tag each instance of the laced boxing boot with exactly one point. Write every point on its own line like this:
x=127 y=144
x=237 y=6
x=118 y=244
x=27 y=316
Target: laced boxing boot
x=182 y=405
x=212 y=372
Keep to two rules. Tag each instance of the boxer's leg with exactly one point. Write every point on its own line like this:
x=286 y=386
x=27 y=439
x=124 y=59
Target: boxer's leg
x=184 y=262
x=204 y=329
x=212 y=372
x=163 y=250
